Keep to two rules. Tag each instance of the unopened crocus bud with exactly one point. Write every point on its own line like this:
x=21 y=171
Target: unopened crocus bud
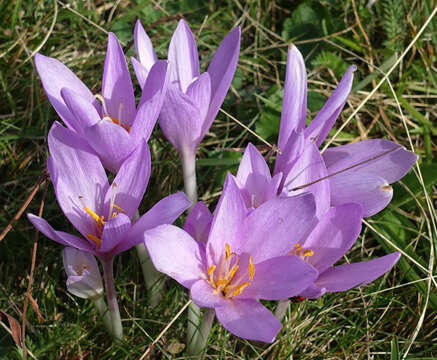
x=83 y=273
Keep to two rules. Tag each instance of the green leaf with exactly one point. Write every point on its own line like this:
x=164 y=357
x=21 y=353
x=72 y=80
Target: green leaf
x=268 y=124
x=395 y=349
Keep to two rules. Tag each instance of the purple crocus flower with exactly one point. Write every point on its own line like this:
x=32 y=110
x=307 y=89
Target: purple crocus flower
x=110 y=121
x=100 y=212
x=245 y=258
x=193 y=99
x=361 y=172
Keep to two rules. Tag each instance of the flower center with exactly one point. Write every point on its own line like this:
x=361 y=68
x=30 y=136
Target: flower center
x=222 y=277
x=115 y=120
x=79 y=269
x=299 y=251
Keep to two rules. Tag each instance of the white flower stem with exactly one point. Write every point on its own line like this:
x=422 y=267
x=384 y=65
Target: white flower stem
x=102 y=308
x=201 y=337
x=108 y=275
x=281 y=309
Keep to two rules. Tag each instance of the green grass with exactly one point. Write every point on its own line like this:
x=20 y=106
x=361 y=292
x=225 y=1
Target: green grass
x=396 y=312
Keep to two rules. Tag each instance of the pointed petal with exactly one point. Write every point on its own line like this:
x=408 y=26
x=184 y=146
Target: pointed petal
x=252 y=162
x=114 y=232
x=151 y=101
x=131 y=180
x=183 y=57
x=144 y=47
x=279 y=278
x=313 y=292
x=111 y=142
x=372 y=192
x=294 y=103
x=117 y=89
x=199 y=91
x=176 y=254
x=76 y=172
x=290 y=153
x=59 y=236
x=204 y=295
x=319 y=128
x=222 y=70
x=345 y=277
x=50 y=69
x=84 y=112
x=198 y=223
x=334 y=235
x=273 y=228
x=248 y=319
x=140 y=71
x=380 y=157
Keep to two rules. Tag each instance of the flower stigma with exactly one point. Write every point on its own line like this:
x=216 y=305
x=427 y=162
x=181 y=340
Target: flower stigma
x=299 y=251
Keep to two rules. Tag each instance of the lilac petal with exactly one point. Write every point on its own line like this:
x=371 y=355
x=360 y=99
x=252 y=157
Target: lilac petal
x=54 y=76
x=59 y=236
x=144 y=47
x=140 y=72
x=319 y=128
x=312 y=292
x=82 y=286
x=78 y=177
x=279 y=278
x=334 y=235
x=117 y=89
x=290 y=153
x=345 y=277
x=183 y=56
x=84 y=112
x=294 y=103
x=73 y=257
x=114 y=232
x=221 y=70
x=226 y=226
x=379 y=157
x=248 y=319
x=198 y=223
x=199 y=91
x=111 y=142
x=309 y=168
x=151 y=101
x=204 y=295
x=272 y=229
x=176 y=254
x=180 y=120
x=372 y=192
x=252 y=162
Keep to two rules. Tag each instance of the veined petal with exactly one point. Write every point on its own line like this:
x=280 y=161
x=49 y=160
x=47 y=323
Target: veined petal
x=347 y=276
x=372 y=192
x=50 y=69
x=379 y=157
x=78 y=177
x=248 y=319
x=319 y=128
x=117 y=89
x=114 y=232
x=144 y=47
x=221 y=70
x=199 y=91
x=204 y=295
x=294 y=103
x=140 y=71
x=175 y=253
x=198 y=223
x=183 y=56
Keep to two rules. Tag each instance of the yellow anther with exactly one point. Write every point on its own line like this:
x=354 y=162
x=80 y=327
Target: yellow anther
x=296 y=245
x=240 y=288
x=232 y=273
x=211 y=270
x=251 y=268
x=94 y=238
x=93 y=214
x=114 y=214
x=228 y=251
x=308 y=252
x=115 y=206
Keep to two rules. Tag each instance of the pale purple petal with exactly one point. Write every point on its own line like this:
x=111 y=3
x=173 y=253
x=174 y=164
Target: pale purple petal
x=176 y=254
x=199 y=91
x=279 y=278
x=319 y=128
x=78 y=177
x=252 y=162
x=294 y=103
x=82 y=286
x=198 y=223
x=143 y=46
x=312 y=292
x=114 y=232
x=334 y=235
x=183 y=57
x=204 y=295
x=221 y=70
x=372 y=192
x=290 y=153
x=248 y=319
x=117 y=89
x=379 y=157
x=272 y=229
x=347 y=276
x=140 y=72
x=54 y=76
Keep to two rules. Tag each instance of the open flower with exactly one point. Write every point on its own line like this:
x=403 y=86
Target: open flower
x=110 y=121
x=361 y=172
x=83 y=273
x=100 y=212
x=244 y=259
x=193 y=99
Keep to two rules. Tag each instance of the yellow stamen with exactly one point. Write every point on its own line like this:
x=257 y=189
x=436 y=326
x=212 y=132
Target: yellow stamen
x=228 y=251
x=94 y=238
x=251 y=268
x=232 y=273
x=240 y=288
x=211 y=270
x=115 y=206
x=308 y=252
x=92 y=213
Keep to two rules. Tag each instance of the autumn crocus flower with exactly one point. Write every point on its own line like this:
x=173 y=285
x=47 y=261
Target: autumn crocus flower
x=110 y=122
x=245 y=259
x=360 y=172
